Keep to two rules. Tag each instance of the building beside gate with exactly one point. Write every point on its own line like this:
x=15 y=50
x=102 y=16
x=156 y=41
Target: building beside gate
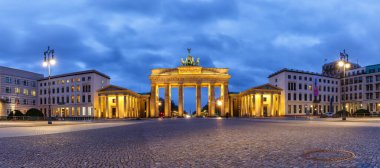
x=18 y=90
x=72 y=94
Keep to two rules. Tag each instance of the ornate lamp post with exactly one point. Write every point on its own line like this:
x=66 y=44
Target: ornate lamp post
x=49 y=61
x=345 y=65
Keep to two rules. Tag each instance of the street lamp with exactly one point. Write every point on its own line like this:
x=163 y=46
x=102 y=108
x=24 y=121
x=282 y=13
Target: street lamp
x=345 y=65
x=219 y=103
x=49 y=61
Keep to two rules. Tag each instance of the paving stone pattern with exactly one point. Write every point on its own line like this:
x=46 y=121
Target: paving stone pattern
x=195 y=143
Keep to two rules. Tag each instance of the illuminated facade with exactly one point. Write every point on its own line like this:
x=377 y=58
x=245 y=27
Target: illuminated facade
x=72 y=94
x=288 y=93
x=17 y=90
x=306 y=92
x=361 y=89
x=117 y=102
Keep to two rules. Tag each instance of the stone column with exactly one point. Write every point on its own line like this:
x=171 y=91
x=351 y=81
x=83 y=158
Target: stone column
x=270 y=105
x=125 y=106
x=136 y=107
x=232 y=107
x=198 y=99
x=107 y=108
x=262 y=105
x=99 y=108
x=211 y=99
x=146 y=108
x=117 y=106
x=224 y=95
x=167 y=100
x=250 y=105
x=154 y=100
x=133 y=106
x=180 y=100
x=253 y=101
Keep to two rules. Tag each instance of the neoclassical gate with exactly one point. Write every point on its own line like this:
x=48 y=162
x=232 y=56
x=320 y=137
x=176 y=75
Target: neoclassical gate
x=189 y=74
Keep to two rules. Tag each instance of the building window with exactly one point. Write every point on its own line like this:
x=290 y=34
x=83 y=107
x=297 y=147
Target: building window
x=72 y=99
x=78 y=88
x=7 y=90
x=89 y=78
x=8 y=79
x=33 y=92
x=89 y=98
x=26 y=92
x=289 y=96
x=83 y=79
x=83 y=98
x=89 y=111
x=289 y=109
x=78 y=99
x=17 y=90
x=294 y=109
x=72 y=88
x=300 y=109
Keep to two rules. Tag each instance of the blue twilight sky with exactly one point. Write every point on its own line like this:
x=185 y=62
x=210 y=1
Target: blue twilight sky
x=126 y=38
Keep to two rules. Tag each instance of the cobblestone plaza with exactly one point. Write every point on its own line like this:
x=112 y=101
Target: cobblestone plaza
x=198 y=143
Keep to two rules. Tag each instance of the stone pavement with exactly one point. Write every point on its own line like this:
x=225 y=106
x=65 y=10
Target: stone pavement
x=31 y=128
x=197 y=143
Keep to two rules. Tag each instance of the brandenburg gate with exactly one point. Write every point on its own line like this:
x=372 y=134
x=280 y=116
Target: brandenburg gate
x=261 y=101
x=189 y=74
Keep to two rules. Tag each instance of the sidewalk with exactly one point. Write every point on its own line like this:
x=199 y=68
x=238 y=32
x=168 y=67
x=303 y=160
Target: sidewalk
x=32 y=128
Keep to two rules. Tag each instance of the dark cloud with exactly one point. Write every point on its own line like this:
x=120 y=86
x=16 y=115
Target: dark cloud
x=126 y=39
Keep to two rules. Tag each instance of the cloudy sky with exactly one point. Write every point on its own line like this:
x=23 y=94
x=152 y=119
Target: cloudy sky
x=125 y=39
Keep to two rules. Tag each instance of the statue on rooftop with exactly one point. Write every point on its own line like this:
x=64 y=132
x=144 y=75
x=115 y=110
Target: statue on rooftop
x=189 y=61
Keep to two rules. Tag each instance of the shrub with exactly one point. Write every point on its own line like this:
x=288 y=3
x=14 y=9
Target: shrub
x=362 y=112
x=34 y=113
x=18 y=113
x=10 y=115
x=340 y=113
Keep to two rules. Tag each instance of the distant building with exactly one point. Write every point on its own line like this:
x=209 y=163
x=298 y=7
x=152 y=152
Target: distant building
x=331 y=69
x=18 y=90
x=306 y=92
x=72 y=94
x=361 y=89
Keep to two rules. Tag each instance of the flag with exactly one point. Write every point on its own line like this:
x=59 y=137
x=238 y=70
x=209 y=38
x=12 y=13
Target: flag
x=316 y=91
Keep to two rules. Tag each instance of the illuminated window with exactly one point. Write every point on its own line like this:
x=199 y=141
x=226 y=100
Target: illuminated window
x=89 y=111
x=63 y=82
x=78 y=88
x=17 y=90
x=72 y=99
x=68 y=81
x=78 y=99
x=72 y=88
x=83 y=111
x=33 y=92
x=26 y=92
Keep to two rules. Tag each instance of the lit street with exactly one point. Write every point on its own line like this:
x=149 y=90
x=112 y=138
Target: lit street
x=199 y=143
